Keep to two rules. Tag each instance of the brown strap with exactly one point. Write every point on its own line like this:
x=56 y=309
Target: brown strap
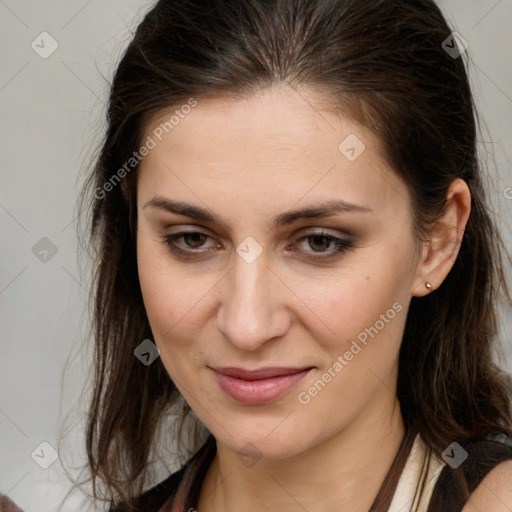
x=178 y=488
x=187 y=482
x=387 y=490
x=189 y=494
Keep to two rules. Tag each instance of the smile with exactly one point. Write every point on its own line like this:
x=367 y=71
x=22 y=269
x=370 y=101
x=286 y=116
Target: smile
x=255 y=390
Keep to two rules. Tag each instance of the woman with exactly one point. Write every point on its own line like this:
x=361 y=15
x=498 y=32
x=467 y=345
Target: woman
x=292 y=237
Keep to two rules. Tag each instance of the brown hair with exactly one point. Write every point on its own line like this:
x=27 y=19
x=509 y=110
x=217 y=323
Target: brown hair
x=384 y=64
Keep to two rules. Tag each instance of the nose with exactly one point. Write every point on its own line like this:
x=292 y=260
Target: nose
x=253 y=304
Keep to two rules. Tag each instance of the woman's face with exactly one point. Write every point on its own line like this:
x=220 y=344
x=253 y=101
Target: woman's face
x=248 y=281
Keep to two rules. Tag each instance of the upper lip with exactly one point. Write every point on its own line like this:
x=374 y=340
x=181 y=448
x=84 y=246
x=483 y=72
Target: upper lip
x=261 y=373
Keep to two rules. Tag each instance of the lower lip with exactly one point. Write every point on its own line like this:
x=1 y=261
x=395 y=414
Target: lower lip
x=253 y=392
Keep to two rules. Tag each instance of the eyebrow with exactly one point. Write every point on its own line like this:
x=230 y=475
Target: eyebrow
x=325 y=209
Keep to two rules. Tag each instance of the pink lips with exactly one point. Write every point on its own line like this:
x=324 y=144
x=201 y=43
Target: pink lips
x=252 y=387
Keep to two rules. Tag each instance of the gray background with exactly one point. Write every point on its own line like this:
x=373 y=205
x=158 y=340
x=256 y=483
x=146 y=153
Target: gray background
x=52 y=118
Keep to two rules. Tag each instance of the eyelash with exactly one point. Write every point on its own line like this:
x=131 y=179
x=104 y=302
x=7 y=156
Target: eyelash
x=342 y=245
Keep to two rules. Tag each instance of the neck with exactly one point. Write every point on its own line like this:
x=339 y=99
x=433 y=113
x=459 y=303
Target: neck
x=328 y=477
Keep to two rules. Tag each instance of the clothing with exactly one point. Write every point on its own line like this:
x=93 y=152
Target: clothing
x=421 y=467
x=445 y=488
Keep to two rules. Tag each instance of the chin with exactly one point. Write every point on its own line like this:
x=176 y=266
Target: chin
x=262 y=441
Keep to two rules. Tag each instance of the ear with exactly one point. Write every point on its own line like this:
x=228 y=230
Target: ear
x=440 y=251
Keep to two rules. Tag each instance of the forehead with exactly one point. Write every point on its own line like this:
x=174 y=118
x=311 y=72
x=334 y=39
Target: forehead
x=278 y=117
x=280 y=144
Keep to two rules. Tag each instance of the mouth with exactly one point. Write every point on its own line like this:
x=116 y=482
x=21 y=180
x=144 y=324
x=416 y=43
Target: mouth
x=254 y=387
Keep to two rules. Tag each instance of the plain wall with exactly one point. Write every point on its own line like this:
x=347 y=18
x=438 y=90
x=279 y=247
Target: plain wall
x=52 y=112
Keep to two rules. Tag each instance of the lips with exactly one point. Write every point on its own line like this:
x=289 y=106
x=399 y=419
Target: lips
x=253 y=387
x=262 y=373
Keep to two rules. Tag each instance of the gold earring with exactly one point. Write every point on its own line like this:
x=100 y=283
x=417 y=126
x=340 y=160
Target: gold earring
x=429 y=286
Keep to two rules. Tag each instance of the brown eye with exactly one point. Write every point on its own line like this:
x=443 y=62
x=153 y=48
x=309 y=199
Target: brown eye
x=193 y=244
x=194 y=240
x=325 y=245
x=319 y=242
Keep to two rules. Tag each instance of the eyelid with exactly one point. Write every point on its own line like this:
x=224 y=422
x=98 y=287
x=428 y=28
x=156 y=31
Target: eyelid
x=193 y=228
x=313 y=230
x=183 y=232
x=342 y=244
x=189 y=228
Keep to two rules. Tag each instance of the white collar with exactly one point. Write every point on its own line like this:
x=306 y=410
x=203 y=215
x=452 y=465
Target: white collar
x=421 y=467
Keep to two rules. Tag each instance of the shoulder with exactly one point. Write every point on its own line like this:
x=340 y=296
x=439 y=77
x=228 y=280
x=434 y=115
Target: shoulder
x=494 y=494
x=480 y=469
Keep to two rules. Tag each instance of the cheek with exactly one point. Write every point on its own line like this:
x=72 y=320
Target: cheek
x=345 y=304
x=175 y=299
x=163 y=291
x=171 y=303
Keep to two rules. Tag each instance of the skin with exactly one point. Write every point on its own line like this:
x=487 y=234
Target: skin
x=247 y=161
x=495 y=491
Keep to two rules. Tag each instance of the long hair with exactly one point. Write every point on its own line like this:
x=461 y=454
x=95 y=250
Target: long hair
x=386 y=65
